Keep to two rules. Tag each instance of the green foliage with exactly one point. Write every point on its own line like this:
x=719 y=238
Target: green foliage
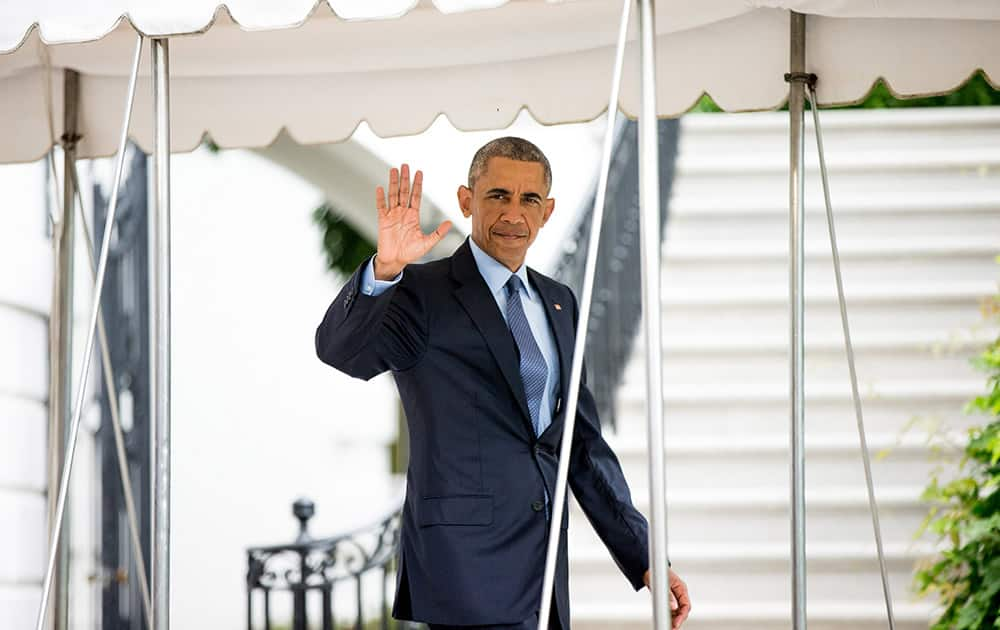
x=705 y=105
x=345 y=247
x=977 y=91
x=965 y=515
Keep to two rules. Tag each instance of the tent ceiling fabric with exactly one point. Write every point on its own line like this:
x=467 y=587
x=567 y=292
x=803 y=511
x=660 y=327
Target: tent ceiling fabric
x=243 y=71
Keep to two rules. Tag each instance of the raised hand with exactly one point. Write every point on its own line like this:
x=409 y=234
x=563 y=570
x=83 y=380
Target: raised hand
x=400 y=239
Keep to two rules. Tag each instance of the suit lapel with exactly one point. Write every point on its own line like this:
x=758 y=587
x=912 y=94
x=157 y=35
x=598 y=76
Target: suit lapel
x=475 y=298
x=561 y=323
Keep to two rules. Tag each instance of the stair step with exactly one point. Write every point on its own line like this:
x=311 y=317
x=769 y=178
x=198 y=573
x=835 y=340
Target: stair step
x=732 y=342
x=771 y=444
x=637 y=614
x=858 y=276
x=773 y=554
x=721 y=208
x=737 y=423
x=737 y=574
x=771 y=294
x=839 y=161
x=851 y=227
x=930 y=321
x=683 y=367
x=763 y=250
x=709 y=463
x=771 y=186
x=743 y=411
x=749 y=516
x=776 y=498
x=902 y=391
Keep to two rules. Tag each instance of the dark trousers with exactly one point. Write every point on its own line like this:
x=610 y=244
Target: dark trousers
x=530 y=623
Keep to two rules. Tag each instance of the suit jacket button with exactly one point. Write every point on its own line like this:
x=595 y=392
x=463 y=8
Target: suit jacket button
x=537 y=506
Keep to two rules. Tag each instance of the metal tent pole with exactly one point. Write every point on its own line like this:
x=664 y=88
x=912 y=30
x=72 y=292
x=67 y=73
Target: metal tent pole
x=796 y=97
x=88 y=352
x=649 y=228
x=160 y=331
x=852 y=368
x=61 y=344
x=583 y=318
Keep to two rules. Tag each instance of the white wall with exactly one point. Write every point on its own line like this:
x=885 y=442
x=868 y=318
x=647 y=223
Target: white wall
x=25 y=271
x=258 y=420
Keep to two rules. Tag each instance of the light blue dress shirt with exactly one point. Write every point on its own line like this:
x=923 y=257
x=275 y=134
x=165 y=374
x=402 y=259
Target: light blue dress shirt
x=496 y=275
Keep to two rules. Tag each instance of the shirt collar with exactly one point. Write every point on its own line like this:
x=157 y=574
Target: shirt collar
x=496 y=274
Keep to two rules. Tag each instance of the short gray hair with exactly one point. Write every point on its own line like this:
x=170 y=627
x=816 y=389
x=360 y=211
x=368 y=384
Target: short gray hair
x=510 y=147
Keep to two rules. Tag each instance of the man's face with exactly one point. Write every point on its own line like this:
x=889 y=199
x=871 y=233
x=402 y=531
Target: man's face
x=508 y=205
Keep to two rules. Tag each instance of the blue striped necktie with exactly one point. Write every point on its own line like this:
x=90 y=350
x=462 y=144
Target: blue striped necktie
x=534 y=370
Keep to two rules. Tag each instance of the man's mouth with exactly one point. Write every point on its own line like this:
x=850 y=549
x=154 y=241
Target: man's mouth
x=509 y=236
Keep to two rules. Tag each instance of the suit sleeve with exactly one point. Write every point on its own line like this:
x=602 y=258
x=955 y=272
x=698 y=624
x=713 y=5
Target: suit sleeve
x=365 y=335
x=597 y=481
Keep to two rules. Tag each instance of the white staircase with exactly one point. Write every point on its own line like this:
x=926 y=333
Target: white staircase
x=917 y=199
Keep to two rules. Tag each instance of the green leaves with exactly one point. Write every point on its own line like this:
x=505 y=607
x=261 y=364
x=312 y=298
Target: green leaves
x=345 y=247
x=976 y=91
x=964 y=513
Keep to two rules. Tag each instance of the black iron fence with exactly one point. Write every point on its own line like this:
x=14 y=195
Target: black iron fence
x=125 y=309
x=311 y=569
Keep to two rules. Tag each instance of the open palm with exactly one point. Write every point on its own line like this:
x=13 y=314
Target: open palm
x=400 y=239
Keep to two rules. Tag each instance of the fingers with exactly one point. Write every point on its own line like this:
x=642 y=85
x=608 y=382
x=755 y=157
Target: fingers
x=684 y=603
x=400 y=194
x=393 y=188
x=432 y=239
x=418 y=188
x=439 y=233
x=380 y=200
x=404 y=186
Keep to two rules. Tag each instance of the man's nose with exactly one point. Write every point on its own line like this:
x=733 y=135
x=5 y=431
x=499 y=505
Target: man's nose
x=511 y=213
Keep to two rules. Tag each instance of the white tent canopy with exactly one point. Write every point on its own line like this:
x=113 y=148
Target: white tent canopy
x=244 y=70
x=247 y=70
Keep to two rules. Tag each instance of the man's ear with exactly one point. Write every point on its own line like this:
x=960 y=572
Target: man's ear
x=465 y=201
x=550 y=205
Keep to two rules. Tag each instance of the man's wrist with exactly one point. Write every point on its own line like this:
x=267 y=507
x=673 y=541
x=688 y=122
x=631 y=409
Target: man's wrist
x=383 y=271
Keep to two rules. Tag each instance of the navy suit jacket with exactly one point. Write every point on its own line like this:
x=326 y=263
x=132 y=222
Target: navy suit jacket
x=474 y=533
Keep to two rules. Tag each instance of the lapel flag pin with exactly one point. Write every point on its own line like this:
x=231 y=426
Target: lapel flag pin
x=558 y=307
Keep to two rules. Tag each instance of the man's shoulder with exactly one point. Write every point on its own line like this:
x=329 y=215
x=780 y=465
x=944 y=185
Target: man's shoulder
x=551 y=284
x=428 y=276
x=438 y=268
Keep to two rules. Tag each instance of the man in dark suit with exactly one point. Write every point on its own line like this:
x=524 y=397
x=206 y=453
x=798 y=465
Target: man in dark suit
x=480 y=347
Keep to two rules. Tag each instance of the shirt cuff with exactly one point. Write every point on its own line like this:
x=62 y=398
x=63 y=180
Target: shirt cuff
x=371 y=286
